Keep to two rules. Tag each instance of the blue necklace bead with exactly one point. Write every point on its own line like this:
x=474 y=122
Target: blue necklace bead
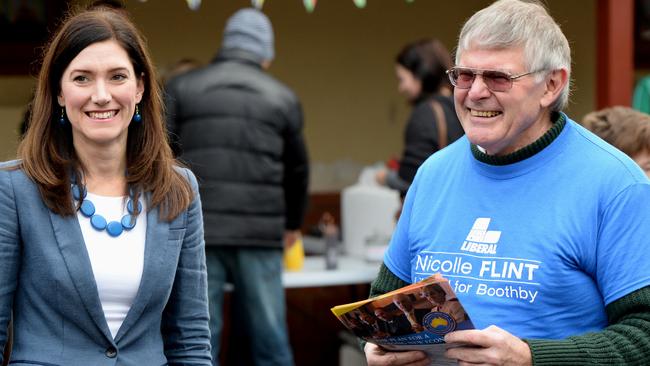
x=98 y=222
x=114 y=228
x=129 y=206
x=87 y=208
x=77 y=193
x=128 y=222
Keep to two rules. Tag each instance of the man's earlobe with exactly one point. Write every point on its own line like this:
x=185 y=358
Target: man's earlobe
x=555 y=83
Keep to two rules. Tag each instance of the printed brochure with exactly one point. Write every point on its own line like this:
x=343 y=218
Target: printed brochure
x=414 y=317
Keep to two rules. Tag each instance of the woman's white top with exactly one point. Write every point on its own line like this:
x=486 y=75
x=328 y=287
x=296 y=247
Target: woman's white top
x=117 y=262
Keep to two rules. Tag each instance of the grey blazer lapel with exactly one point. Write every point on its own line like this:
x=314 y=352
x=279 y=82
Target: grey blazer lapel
x=73 y=249
x=155 y=258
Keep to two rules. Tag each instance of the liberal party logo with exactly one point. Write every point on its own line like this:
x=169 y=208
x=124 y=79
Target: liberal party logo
x=480 y=239
x=438 y=323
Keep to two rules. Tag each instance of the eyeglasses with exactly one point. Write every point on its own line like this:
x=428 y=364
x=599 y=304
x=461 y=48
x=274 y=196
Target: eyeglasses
x=496 y=81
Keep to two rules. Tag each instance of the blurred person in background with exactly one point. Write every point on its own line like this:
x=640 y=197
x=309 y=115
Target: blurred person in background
x=177 y=68
x=420 y=69
x=625 y=128
x=241 y=132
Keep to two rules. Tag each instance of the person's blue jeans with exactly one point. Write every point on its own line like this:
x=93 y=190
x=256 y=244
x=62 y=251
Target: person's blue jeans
x=258 y=303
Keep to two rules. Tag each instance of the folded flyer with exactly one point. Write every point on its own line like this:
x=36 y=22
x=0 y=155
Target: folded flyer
x=414 y=317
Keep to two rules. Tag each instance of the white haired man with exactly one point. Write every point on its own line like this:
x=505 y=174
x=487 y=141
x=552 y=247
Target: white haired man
x=541 y=227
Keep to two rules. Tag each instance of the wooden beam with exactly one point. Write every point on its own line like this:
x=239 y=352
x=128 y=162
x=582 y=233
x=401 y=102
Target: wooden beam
x=615 y=53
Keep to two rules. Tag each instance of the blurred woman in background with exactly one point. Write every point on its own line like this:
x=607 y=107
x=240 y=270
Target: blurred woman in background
x=421 y=75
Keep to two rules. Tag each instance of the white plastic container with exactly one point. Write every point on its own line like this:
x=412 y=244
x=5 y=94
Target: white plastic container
x=368 y=219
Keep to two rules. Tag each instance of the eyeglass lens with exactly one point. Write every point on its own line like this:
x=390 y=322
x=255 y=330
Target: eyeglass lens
x=495 y=80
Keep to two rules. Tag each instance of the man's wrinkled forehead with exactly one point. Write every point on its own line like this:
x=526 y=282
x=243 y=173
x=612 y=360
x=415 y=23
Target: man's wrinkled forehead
x=478 y=45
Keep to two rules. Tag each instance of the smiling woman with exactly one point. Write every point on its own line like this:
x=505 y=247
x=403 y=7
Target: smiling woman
x=99 y=92
x=97 y=220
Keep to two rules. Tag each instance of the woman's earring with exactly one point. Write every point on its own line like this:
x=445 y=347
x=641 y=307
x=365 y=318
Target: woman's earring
x=62 y=118
x=137 y=117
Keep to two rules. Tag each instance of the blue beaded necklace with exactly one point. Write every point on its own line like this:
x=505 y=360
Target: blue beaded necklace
x=97 y=221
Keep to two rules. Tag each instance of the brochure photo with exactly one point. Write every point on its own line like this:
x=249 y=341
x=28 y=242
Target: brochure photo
x=415 y=317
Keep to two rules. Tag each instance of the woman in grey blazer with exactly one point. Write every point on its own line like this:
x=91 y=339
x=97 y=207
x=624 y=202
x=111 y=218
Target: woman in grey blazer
x=102 y=256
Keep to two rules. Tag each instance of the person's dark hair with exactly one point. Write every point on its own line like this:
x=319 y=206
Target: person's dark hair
x=110 y=4
x=427 y=59
x=24 y=124
x=177 y=68
x=47 y=153
x=434 y=287
x=403 y=299
x=625 y=128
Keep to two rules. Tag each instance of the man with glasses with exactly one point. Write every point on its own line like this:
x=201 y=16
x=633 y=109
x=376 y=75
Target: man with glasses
x=541 y=227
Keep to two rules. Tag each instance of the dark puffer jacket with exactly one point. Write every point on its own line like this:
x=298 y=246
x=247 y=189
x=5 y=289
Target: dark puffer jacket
x=240 y=131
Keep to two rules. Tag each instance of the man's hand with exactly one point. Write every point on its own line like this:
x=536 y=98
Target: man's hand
x=380 y=177
x=490 y=346
x=377 y=356
x=290 y=237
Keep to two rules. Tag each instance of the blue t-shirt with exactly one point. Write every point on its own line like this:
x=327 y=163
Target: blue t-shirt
x=538 y=247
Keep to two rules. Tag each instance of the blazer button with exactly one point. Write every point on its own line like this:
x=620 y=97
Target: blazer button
x=111 y=352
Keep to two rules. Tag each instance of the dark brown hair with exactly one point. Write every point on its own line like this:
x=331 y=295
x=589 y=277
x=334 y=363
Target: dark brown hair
x=625 y=128
x=405 y=300
x=47 y=153
x=428 y=60
x=434 y=288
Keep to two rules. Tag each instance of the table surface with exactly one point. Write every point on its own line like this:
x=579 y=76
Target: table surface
x=350 y=271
